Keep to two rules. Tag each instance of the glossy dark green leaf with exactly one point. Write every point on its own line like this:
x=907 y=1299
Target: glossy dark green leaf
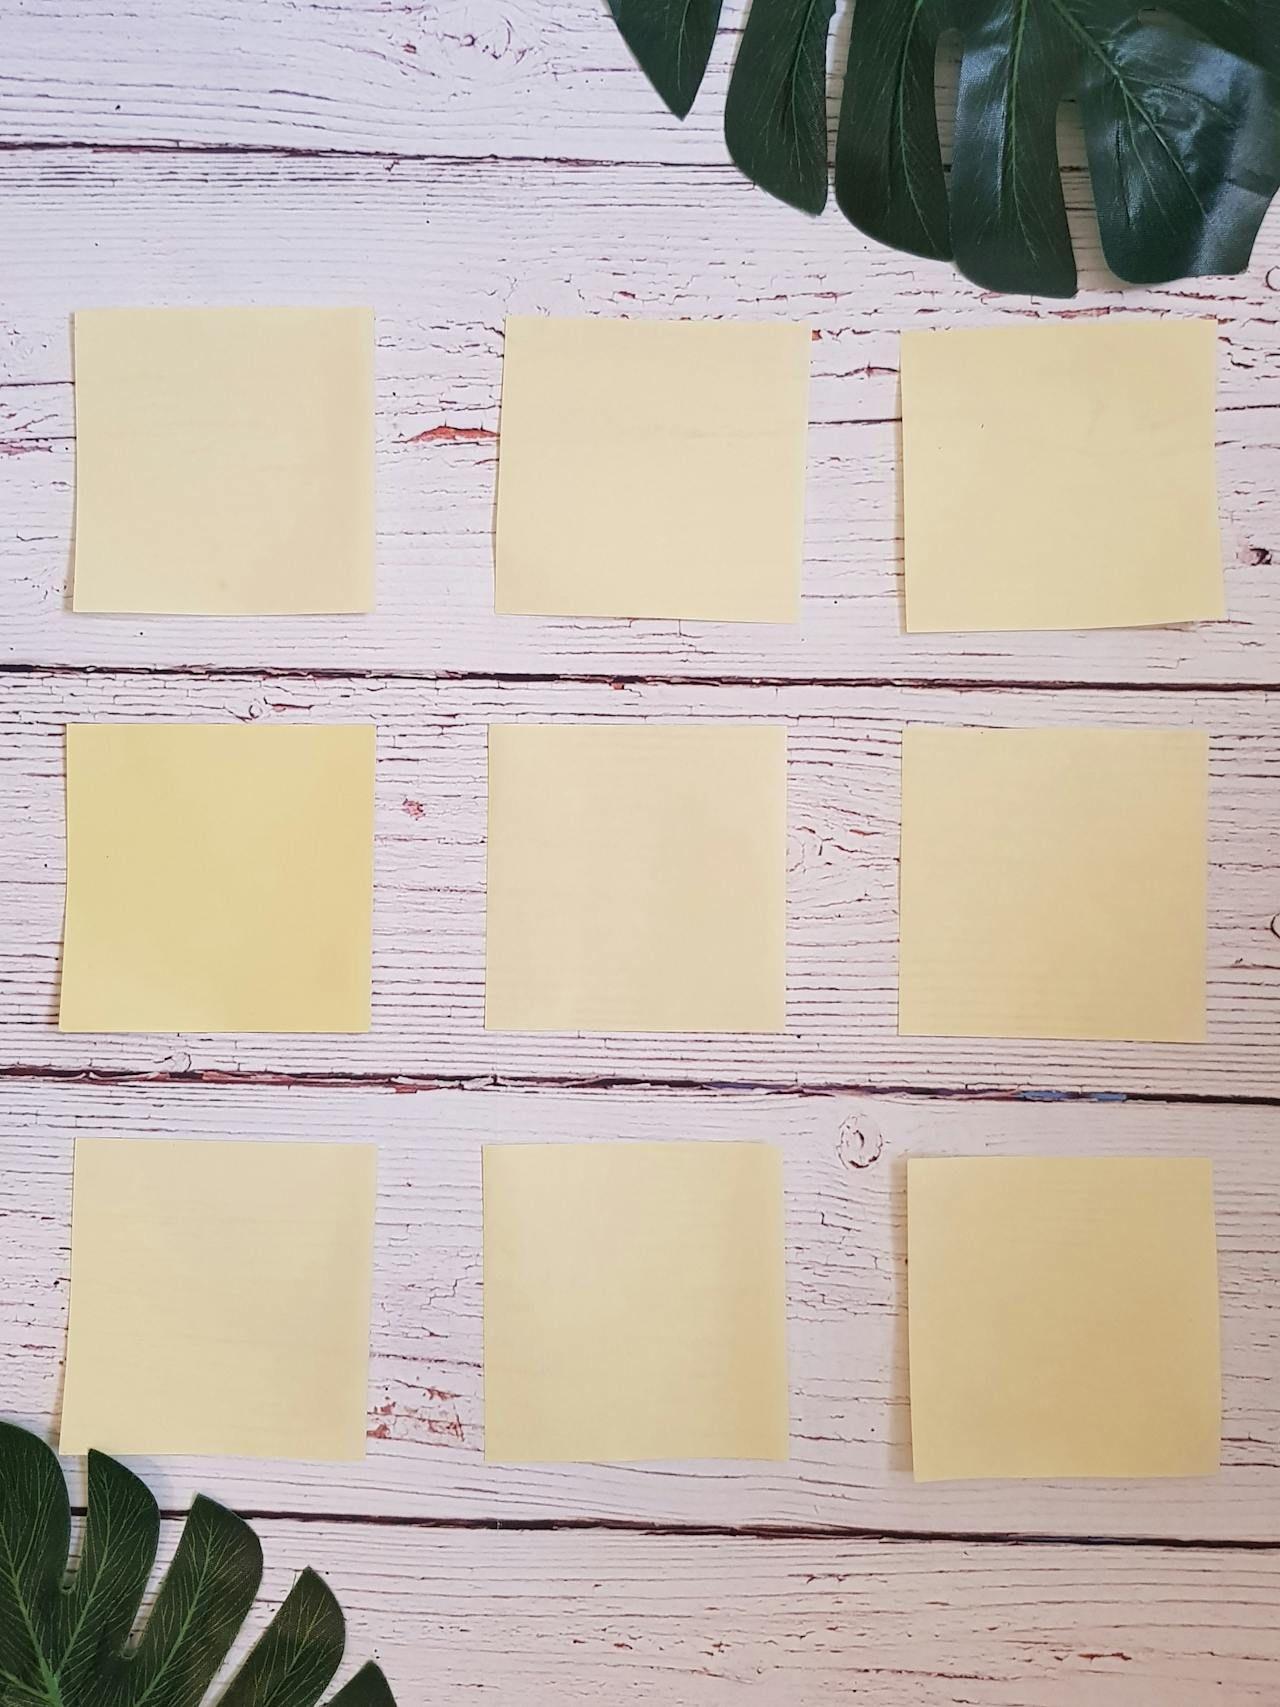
x=1181 y=179
x=122 y=1531
x=68 y=1643
x=775 y=117
x=1180 y=106
x=1249 y=29
x=889 y=177
x=297 y=1654
x=1008 y=217
x=672 y=39
x=368 y=1688
x=35 y=1534
x=1181 y=119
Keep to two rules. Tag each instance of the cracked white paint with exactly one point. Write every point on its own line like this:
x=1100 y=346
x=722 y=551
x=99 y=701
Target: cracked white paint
x=443 y=251
x=843 y=773
x=845 y=1277
x=540 y=185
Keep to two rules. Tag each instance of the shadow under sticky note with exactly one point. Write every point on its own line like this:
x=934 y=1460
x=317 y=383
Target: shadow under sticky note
x=652 y=469
x=1053 y=883
x=1063 y=1317
x=636 y=878
x=224 y=460
x=220 y=1298
x=1060 y=475
x=634 y=1302
x=219 y=877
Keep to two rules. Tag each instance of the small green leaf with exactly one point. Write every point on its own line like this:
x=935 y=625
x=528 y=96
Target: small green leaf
x=889 y=177
x=672 y=39
x=1008 y=218
x=775 y=117
x=35 y=1534
x=121 y=1534
x=297 y=1654
x=368 y=1688
x=68 y=1646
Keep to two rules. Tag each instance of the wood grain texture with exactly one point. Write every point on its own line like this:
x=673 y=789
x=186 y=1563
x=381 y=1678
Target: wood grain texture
x=444 y=251
x=450 y=161
x=644 y=1621
x=843 y=784
x=844 y=1163
x=474 y=78
x=445 y=79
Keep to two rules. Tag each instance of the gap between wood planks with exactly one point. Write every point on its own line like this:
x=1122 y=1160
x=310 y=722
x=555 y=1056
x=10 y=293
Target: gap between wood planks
x=624 y=679
x=391 y=156
x=742 y=1532
x=408 y=1084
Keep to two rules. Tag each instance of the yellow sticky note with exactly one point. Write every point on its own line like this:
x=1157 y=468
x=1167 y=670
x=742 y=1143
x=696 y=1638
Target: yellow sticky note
x=634 y=1302
x=219 y=877
x=224 y=460
x=636 y=878
x=651 y=468
x=1061 y=475
x=219 y=1298
x=1063 y=1317
x=1053 y=883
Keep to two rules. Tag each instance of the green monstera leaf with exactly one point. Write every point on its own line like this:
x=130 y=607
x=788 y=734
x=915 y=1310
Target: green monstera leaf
x=66 y=1642
x=1180 y=108
x=775 y=117
x=672 y=39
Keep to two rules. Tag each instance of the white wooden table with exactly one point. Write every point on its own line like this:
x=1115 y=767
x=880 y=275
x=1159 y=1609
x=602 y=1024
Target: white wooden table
x=448 y=161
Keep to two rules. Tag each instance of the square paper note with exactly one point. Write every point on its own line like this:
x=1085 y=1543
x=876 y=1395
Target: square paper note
x=652 y=469
x=224 y=460
x=1053 y=883
x=219 y=877
x=219 y=1298
x=636 y=878
x=634 y=1304
x=1064 y=1317
x=1061 y=475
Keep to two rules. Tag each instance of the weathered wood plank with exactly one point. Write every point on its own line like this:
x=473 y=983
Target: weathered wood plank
x=557 y=1620
x=844 y=1166
x=842 y=887
x=444 y=246
x=444 y=251
x=450 y=78
x=453 y=79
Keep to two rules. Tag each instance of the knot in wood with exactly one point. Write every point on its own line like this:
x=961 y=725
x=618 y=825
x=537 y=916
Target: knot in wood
x=860 y=1142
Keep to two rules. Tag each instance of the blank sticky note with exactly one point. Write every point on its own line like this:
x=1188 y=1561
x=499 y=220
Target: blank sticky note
x=1061 y=475
x=219 y=877
x=219 y=1298
x=224 y=460
x=636 y=878
x=1063 y=1317
x=652 y=468
x=1053 y=883
x=634 y=1302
